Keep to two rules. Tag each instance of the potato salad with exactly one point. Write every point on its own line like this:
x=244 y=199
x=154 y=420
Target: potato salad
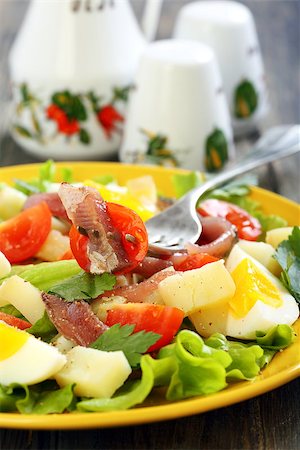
x=92 y=320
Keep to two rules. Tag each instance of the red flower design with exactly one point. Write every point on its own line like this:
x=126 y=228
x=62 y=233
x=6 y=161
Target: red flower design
x=64 y=124
x=108 y=116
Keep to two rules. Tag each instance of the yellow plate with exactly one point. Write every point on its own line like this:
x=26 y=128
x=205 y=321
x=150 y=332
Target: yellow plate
x=284 y=367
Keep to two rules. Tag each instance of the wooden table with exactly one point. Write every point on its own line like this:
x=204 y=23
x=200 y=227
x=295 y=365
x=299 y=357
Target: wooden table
x=271 y=421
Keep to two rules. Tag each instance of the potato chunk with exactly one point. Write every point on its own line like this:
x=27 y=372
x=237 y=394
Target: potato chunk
x=23 y=296
x=95 y=372
x=199 y=288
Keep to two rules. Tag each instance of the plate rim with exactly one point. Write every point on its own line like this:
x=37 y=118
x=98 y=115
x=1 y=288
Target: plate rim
x=156 y=413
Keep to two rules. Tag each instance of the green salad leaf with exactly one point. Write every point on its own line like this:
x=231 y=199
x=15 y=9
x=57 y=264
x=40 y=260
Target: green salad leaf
x=43 y=328
x=45 y=180
x=104 y=179
x=288 y=256
x=185 y=182
x=16 y=270
x=43 y=398
x=123 y=338
x=199 y=369
x=245 y=358
x=47 y=274
x=267 y=221
x=191 y=366
x=277 y=338
x=11 y=310
x=236 y=192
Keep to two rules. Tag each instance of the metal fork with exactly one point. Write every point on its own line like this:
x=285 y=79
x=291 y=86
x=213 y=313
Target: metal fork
x=169 y=230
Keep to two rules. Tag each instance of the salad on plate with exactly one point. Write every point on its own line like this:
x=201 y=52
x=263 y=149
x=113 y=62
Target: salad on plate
x=90 y=320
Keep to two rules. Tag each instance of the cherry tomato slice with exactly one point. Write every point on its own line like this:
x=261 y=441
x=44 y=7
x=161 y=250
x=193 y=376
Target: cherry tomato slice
x=133 y=233
x=247 y=226
x=161 y=319
x=14 y=321
x=22 y=236
x=78 y=244
x=194 y=262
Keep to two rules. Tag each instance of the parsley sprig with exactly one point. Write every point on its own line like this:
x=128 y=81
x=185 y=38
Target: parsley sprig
x=122 y=338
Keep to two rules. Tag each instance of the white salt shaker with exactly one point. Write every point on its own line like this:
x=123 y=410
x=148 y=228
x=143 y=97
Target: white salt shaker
x=228 y=28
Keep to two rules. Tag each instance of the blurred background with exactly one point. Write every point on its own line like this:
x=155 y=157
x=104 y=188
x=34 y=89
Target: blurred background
x=277 y=23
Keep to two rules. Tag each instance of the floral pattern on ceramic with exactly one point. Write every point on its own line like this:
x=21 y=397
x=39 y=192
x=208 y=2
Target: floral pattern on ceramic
x=216 y=151
x=157 y=151
x=69 y=112
x=245 y=100
x=86 y=5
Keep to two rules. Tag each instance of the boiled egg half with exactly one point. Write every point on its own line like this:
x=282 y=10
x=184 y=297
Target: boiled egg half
x=25 y=359
x=260 y=301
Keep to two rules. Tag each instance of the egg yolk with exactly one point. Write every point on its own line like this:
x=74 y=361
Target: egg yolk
x=12 y=340
x=252 y=285
x=122 y=198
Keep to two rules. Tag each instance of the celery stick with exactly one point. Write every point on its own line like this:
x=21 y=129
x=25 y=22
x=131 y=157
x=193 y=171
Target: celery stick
x=47 y=274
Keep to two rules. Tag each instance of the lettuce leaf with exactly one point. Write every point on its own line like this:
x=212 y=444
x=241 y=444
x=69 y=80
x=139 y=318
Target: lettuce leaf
x=45 y=179
x=245 y=358
x=277 y=338
x=104 y=179
x=16 y=270
x=47 y=274
x=10 y=309
x=236 y=192
x=200 y=369
x=185 y=182
x=188 y=367
x=43 y=398
x=43 y=329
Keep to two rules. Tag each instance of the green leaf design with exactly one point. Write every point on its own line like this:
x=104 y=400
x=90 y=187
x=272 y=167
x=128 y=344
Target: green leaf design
x=157 y=151
x=216 y=150
x=22 y=131
x=122 y=93
x=71 y=104
x=35 y=123
x=245 y=100
x=95 y=101
x=26 y=96
x=84 y=136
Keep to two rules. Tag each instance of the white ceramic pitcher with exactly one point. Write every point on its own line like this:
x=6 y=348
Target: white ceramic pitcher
x=72 y=66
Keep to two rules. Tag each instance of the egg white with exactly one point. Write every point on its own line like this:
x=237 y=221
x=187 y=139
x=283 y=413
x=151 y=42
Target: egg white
x=33 y=362
x=260 y=317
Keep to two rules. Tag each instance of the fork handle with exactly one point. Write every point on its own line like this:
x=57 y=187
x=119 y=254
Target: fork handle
x=288 y=144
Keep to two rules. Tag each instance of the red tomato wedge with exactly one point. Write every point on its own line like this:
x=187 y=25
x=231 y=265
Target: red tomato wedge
x=78 y=244
x=14 y=321
x=127 y=223
x=161 y=319
x=247 y=226
x=22 y=236
x=194 y=262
